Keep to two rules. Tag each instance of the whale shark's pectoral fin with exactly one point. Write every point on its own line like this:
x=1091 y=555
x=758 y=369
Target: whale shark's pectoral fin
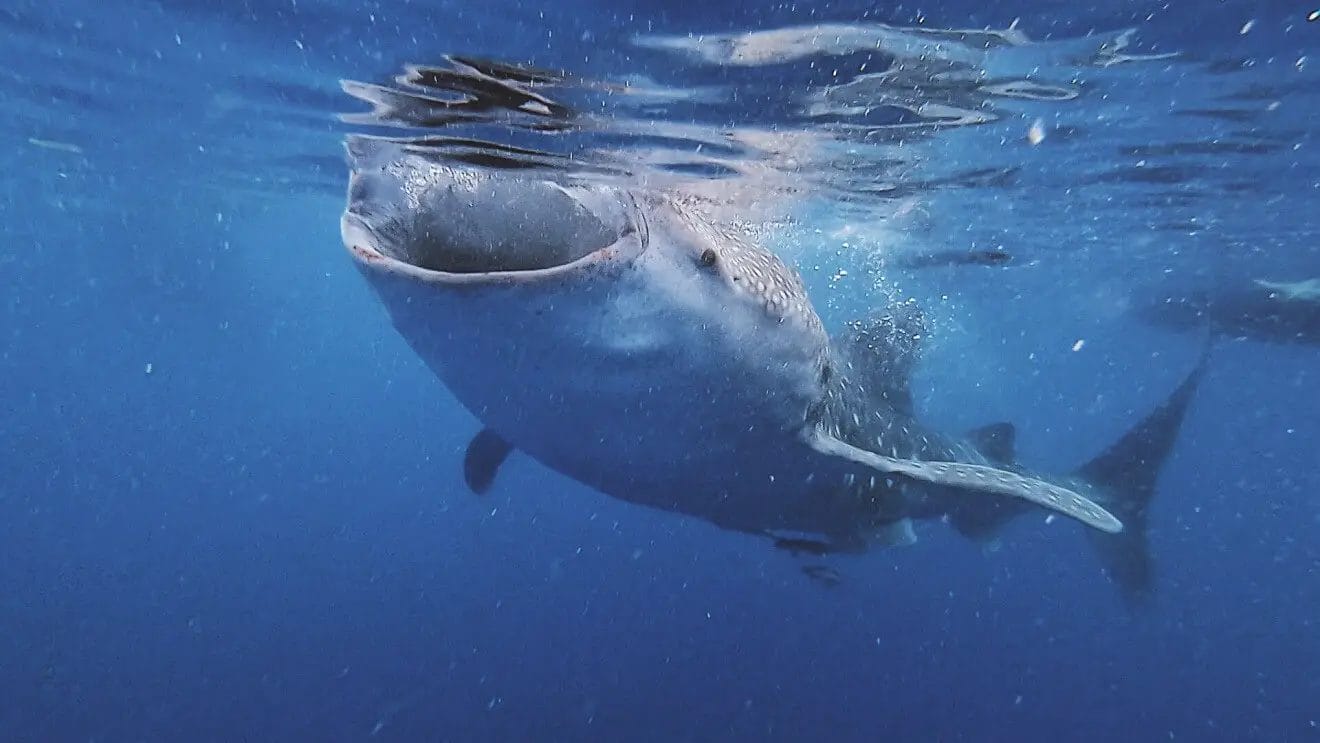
x=973 y=478
x=895 y=534
x=485 y=453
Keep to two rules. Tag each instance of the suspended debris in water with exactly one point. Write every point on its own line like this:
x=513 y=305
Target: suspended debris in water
x=1036 y=133
x=50 y=144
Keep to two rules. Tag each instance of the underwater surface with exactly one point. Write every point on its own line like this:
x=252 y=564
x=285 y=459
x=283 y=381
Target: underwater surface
x=232 y=498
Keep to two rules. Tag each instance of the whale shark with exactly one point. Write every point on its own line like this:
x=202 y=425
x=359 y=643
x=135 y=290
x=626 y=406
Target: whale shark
x=1263 y=310
x=615 y=335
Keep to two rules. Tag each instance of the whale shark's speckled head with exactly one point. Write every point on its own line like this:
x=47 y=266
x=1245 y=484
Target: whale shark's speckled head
x=410 y=215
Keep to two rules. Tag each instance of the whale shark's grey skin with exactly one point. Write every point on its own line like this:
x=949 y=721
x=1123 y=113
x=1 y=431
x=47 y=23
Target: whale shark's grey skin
x=617 y=337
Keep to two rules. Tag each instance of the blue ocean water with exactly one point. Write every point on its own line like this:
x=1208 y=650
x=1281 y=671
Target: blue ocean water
x=231 y=503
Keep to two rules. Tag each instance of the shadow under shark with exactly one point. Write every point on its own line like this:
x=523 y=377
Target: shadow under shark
x=621 y=339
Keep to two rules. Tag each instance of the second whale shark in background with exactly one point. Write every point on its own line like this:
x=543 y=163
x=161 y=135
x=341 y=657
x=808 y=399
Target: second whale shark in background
x=1270 y=311
x=619 y=337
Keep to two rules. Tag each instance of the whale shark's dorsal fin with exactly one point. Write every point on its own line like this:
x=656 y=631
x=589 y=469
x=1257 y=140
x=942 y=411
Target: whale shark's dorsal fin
x=997 y=441
x=972 y=478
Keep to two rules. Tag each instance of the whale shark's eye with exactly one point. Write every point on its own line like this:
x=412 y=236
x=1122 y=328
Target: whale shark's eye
x=707 y=258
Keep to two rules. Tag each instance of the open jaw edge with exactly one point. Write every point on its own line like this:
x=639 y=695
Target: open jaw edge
x=369 y=253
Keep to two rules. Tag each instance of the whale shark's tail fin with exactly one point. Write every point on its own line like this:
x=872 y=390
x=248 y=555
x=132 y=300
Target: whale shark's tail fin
x=1127 y=473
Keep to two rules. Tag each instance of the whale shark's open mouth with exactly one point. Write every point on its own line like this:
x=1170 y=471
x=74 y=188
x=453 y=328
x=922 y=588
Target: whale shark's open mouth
x=532 y=252
x=442 y=222
x=448 y=254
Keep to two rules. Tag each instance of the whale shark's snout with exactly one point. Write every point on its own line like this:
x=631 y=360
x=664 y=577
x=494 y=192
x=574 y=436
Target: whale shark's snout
x=412 y=215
